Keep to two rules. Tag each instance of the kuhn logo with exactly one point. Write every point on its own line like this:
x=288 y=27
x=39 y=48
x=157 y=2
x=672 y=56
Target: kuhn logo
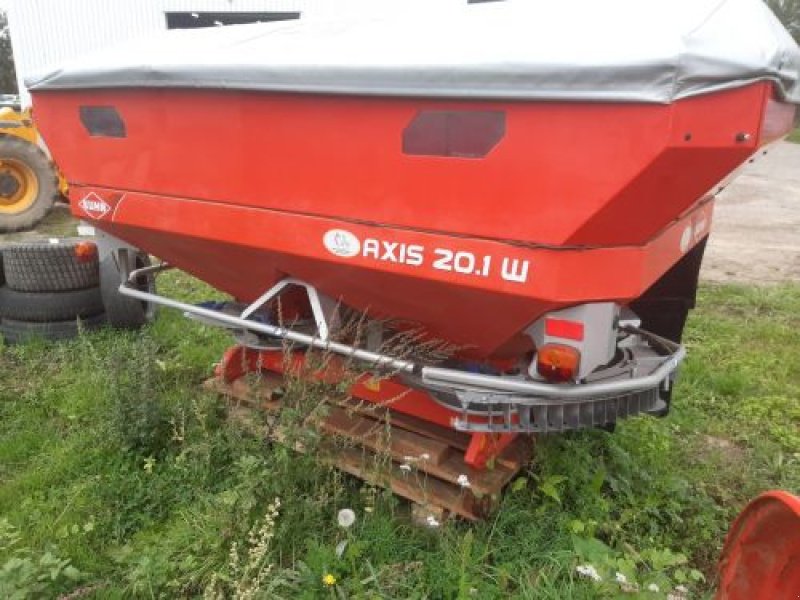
x=341 y=243
x=94 y=206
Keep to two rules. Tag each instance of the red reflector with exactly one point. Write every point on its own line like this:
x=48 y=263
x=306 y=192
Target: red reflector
x=558 y=363
x=85 y=252
x=561 y=328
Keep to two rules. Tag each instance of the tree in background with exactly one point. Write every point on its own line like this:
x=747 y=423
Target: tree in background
x=788 y=11
x=8 y=76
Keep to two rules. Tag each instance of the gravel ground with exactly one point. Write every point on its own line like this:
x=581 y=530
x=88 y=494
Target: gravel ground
x=755 y=237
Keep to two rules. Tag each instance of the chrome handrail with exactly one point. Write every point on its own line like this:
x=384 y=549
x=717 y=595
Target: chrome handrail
x=436 y=376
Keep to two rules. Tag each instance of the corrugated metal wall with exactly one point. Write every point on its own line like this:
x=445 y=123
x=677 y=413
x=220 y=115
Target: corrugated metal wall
x=47 y=32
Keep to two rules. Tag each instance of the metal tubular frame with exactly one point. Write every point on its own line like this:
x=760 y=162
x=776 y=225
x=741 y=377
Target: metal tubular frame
x=515 y=392
x=380 y=361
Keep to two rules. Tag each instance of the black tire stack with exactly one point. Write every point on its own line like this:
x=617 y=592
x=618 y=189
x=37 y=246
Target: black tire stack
x=50 y=290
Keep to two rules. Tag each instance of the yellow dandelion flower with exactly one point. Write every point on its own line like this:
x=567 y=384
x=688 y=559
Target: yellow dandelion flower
x=329 y=580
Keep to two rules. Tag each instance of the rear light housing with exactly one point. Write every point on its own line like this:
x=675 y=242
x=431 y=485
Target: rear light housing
x=573 y=342
x=558 y=363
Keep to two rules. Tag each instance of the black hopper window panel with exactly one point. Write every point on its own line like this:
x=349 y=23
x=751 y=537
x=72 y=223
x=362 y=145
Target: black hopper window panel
x=102 y=121
x=194 y=20
x=454 y=133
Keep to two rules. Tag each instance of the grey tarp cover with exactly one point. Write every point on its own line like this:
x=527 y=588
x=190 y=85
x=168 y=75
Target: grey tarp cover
x=609 y=50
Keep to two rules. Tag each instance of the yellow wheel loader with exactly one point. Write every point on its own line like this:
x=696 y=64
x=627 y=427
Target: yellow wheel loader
x=29 y=181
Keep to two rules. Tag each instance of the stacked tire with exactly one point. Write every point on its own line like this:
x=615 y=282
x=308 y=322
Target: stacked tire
x=50 y=290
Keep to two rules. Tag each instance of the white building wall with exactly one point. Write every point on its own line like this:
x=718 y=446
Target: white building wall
x=47 y=32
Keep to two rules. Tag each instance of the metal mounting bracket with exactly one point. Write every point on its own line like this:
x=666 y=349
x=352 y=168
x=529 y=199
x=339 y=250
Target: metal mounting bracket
x=324 y=308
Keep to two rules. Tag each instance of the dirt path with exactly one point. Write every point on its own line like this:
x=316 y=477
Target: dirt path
x=755 y=237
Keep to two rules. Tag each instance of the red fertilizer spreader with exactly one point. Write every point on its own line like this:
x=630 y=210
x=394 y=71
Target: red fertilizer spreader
x=533 y=190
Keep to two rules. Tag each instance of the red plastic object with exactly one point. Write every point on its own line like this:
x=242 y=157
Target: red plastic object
x=85 y=251
x=485 y=447
x=761 y=557
x=557 y=362
x=561 y=328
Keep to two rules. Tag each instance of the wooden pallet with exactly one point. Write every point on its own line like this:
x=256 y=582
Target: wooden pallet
x=375 y=444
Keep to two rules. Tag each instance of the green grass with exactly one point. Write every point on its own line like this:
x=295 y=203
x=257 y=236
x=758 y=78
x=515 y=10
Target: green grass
x=795 y=136
x=112 y=458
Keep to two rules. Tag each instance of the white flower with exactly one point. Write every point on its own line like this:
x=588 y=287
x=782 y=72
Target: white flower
x=405 y=467
x=588 y=571
x=681 y=592
x=431 y=521
x=425 y=456
x=653 y=588
x=620 y=578
x=346 y=518
x=463 y=481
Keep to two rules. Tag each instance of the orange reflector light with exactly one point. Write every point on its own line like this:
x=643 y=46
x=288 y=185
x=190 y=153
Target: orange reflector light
x=558 y=363
x=85 y=251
